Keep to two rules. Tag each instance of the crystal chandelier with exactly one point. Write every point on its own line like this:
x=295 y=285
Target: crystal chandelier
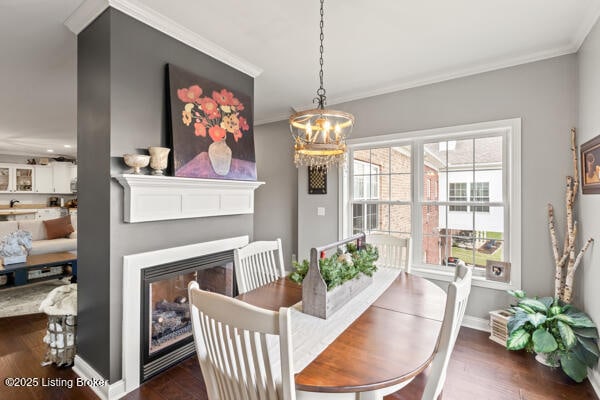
x=320 y=134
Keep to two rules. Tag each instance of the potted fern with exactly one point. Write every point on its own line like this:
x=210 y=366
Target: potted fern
x=559 y=333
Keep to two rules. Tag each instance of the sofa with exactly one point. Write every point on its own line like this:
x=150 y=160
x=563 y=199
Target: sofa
x=40 y=243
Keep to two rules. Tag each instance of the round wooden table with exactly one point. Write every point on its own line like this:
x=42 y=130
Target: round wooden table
x=390 y=343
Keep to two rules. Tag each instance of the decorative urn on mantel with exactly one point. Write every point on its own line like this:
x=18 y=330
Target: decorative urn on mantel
x=157 y=198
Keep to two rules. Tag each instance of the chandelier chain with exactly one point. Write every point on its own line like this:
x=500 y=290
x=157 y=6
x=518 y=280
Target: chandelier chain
x=320 y=134
x=321 y=98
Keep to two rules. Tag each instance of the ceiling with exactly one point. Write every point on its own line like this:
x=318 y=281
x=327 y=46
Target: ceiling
x=370 y=48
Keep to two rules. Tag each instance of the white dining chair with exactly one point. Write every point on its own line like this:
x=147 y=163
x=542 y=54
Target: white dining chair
x=232 y=340
x=394 y=252
x=456 y=303
x=257 y=264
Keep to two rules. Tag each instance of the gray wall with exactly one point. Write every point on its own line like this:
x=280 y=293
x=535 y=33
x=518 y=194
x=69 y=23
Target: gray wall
x=93 y=214
x=137 y=119
x=543 y=94
x=588 y=280
x=316 y=230
x=276 y=202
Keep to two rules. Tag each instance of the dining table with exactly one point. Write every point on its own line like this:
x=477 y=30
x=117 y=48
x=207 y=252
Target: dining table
x=386 y=346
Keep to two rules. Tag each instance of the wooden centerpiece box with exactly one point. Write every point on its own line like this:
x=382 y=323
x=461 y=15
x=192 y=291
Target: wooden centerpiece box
x=316 y=299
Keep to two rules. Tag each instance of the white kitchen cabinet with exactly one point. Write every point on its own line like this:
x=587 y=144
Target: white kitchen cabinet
x=43 y=179
x=62 y=177
x=16 y=178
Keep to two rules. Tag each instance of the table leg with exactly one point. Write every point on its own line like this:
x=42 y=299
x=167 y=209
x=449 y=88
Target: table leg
x=74 y=271
x=20 y=277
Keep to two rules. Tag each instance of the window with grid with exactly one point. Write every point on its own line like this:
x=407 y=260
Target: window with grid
x=457 y=192
x=471 y=205
x=448 y=190
x=381 y=190
x=480 y=192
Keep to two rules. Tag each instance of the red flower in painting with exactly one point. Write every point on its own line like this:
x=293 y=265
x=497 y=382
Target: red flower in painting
x=243 y=124
x=199 y=129
x=190 y=94
x=217 y=133
x=237 y=104
x=224 y=97
x=216 y=115
x=237 y=135
x=210 y=107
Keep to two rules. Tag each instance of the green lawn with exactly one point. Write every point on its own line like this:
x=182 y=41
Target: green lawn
x=494 y=235
x=480 y=258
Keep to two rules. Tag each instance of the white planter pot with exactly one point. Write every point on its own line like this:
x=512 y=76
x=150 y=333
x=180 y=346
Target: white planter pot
x=543 y=358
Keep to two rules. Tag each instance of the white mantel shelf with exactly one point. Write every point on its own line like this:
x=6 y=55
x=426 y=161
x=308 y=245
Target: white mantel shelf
x=158 y=198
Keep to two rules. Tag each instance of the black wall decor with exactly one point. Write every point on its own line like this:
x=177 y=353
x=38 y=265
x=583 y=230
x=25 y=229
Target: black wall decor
x=317 y=180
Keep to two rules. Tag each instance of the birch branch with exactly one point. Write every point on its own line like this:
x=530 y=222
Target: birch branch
x=568 y=289
x=575 y=166
x=552 y=228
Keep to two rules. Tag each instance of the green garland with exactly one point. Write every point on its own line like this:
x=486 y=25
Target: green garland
x=340 y=268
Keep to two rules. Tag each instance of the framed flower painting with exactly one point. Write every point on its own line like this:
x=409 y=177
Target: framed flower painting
x=211 y=129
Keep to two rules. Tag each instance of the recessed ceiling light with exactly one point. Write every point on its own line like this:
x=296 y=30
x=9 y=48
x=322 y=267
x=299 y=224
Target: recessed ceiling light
x=50 y=151
x=68 y=146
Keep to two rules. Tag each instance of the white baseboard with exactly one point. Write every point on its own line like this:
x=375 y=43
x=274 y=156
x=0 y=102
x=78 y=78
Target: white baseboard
x=481 y=324
x=594 y=377
x=99 y=385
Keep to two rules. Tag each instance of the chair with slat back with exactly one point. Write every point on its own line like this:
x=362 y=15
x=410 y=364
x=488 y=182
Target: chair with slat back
x=456 y=304
x=393 y=252
x=232 y=339
x=257 y=264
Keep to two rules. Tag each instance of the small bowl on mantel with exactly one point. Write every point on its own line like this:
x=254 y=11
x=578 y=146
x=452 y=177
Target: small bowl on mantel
x=136 y=161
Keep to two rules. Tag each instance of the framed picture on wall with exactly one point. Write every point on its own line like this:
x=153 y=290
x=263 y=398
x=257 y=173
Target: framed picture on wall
x=590 y=166
x=498 y=271
x=211 y=128
x=317 y=180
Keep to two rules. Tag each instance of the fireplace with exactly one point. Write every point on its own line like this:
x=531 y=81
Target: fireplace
x=155 y=309
x=166 y=325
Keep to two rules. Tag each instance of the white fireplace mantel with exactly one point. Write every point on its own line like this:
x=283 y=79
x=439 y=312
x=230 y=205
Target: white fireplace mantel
x=156 y=198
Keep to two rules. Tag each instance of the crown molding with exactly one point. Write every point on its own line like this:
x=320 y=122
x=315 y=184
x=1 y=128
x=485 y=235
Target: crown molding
x=429 y=79
x=591 y=17
x=91 y=9
x=83 y=15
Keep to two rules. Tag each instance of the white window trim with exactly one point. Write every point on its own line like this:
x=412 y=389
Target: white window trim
x=512 y=185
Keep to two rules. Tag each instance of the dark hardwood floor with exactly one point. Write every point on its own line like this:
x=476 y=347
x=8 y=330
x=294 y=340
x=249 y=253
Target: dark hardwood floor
x=21 y=352
x=479 y=369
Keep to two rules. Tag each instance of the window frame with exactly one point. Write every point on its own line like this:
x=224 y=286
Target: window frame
x=510 y=129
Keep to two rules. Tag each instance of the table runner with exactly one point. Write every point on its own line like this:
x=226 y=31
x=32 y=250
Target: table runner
x=311 y=335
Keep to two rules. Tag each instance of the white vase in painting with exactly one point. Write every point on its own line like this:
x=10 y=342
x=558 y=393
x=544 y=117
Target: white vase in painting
x=220 y=157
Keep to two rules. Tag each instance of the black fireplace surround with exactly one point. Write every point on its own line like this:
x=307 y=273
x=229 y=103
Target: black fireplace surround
x=165 y=324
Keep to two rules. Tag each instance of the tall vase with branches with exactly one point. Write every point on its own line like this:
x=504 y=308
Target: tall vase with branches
x=566 y=263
